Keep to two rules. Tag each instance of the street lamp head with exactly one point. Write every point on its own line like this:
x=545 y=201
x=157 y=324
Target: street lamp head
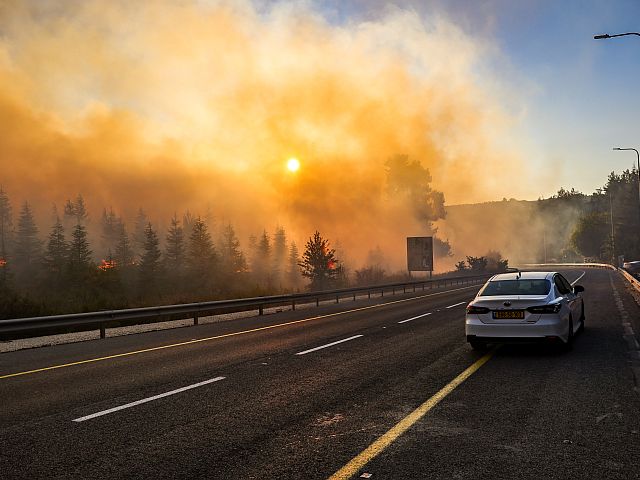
x=600 y=37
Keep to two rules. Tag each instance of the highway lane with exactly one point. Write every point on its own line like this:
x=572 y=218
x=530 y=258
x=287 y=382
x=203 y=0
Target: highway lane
x=281 y=415
x=182 y=362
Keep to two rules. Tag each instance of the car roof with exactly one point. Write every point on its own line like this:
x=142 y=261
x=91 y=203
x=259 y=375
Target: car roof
x=523 y=276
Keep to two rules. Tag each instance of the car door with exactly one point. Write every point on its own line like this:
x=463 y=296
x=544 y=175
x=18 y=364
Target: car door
x=572 y=299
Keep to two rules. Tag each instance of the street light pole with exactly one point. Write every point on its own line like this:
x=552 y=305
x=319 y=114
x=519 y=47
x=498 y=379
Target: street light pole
x=606 y=35
x=638 y=158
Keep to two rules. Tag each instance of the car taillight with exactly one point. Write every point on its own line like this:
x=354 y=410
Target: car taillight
x=477 y=310
x=545 y=309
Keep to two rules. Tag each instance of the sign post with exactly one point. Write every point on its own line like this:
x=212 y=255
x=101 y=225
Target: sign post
x=420 y=254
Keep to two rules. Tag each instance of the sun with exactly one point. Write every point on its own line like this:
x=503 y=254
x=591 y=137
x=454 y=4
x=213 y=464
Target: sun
x=293 y=164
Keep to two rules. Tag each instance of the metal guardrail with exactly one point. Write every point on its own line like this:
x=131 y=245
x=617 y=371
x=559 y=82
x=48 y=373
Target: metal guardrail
x=632 y=280
x=14 y=328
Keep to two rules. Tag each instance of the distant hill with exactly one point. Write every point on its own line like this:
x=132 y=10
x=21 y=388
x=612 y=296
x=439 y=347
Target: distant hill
x=520 y=230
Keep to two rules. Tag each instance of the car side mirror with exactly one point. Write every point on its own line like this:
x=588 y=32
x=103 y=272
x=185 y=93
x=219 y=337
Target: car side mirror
x=578 y=289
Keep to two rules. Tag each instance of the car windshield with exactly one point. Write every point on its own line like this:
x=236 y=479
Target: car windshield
x=516 y=287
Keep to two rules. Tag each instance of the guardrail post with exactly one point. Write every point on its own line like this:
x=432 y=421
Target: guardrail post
x=261 y=310
x=103 y=331
x=293 y=304
x=337 y=298
x=354 y=297
x=382 y=292
x=195 y=319
x=404 y=289
x=369 y=294
x=393 y=291
x=317 y=301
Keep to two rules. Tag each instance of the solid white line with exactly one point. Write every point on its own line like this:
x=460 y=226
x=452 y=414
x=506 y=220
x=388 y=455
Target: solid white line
x=456 y=304
x=149 y=399
x=576 y=280
x=413 y=318
x=329 y=345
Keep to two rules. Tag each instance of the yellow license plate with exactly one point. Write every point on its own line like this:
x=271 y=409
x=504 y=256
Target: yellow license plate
x=508 y=314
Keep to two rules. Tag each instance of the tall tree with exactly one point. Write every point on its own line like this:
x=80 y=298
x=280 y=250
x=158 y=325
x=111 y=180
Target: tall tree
x=28 y=249
x=57 y=251
x=319 y=263
x=293 y=270
x=231 y=256
x=79 y=254
x=409 y=183
x=175 y=248
x=123 y=254
x=76 y=211
x=150 y=260
x=279 y=255
x=201 y=256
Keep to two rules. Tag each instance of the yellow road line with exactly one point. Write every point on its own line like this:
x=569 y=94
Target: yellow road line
x=217 y=337
x=392 y=435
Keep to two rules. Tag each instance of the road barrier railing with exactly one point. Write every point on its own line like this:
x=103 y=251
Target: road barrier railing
x=631 y=279
x=26 y=327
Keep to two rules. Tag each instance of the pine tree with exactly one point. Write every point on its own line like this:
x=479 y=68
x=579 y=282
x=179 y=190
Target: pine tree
x=57 y=251
x=150 y=259
x=28 y=249
x=202 y=254
x=232 y=258
x=123 y=253
x=76 y=210
x=79 y=252
x=175 y=251
x=82 y=216
x=319 y=263
x=279 y=255
x=293 y=271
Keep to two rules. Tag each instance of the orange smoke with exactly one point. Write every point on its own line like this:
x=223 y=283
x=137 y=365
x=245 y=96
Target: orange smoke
x=180 y=105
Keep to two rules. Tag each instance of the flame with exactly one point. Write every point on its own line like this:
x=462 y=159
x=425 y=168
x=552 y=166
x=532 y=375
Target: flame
x=106 y=265
x=3 y=262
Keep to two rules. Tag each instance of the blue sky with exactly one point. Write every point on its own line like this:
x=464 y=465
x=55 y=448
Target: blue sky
x=581 y=94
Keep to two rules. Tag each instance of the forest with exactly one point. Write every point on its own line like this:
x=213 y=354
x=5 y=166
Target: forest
x=77 y=262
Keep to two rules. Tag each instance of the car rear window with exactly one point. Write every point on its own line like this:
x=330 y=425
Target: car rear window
x=516 y=287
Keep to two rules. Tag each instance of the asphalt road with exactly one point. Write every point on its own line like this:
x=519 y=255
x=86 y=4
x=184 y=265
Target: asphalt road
x=257 y=399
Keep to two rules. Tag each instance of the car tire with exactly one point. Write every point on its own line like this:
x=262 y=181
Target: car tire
x=581 y=329
x=568 y=345
x=478 y=346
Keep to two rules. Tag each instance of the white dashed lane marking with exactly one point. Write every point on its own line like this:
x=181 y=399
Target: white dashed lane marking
x=149 y=399
x=329 y=345
x=456 y=304
x=414 y=318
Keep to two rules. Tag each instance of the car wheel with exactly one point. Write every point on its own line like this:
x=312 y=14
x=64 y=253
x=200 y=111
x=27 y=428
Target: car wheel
x=581 y=329
x=478 y=345
x=569 y=343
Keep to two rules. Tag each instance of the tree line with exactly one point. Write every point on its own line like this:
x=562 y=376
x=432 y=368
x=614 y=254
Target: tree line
x=70 y=269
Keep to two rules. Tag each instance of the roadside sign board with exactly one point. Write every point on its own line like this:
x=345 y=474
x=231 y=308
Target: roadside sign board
x=420 y=254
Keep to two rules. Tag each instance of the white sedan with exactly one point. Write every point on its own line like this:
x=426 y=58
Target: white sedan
x=525 y=307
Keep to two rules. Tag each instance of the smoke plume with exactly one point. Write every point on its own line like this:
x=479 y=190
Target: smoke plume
x=193 y=105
